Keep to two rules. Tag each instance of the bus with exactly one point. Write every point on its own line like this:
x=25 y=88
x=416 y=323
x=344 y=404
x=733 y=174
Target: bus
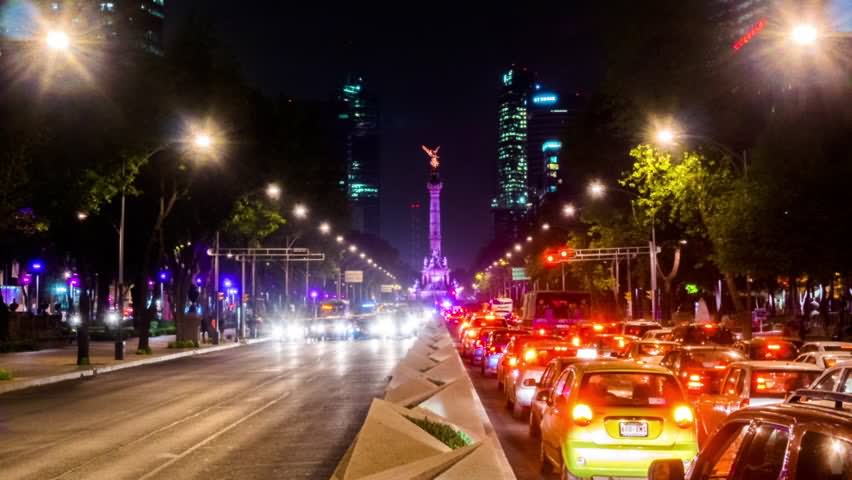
x=556 y=310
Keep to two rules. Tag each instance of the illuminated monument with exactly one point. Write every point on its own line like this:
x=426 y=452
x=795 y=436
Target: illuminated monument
x=435 y=279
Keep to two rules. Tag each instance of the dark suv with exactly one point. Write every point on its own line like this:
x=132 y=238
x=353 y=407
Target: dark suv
x=807 y=437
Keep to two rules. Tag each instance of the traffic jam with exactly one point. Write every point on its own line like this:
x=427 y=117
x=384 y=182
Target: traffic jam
x=614 y=399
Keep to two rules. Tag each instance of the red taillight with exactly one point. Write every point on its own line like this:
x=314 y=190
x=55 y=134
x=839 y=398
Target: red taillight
x=479 y=343
x=541 y=331
x=582 y=414
x=683 y=416
x=696 y=382
x=773 y=346
x=492 y=349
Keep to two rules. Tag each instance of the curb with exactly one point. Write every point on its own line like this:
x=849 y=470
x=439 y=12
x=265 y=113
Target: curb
x=91 y=372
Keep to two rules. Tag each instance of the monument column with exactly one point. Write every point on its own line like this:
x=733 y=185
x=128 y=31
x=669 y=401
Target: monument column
x=434 y=186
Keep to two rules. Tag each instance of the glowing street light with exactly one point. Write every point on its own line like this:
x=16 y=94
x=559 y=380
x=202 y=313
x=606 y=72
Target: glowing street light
x=58 y=40
x=353 y=248
x=325 y=228
x=597 y=188
x=545 y=226
x=518 y=247
x=508 y=254
x=569 y=210
x=363 y=255
x=804 y=35
x=529 y=239
x=300 y=211
x=81 y=216
x=665 y=136
x=202 y=140
x=339 y=239
x=273 y=191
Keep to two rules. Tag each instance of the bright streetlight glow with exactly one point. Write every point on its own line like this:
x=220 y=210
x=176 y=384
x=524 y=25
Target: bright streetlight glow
x=597 y=188
x=202 y=140
x=363 y=255
x=518 y=247
x=529 y=239
x=804 y=35
x=273 y=191
x=300 y=211
x=82 y=216
x=665 y=136
x=508 y=254
x=325 y=228
x=58 y=40
x=569 y=210
x=353 y=248
x=545 y=226
x=339 y=239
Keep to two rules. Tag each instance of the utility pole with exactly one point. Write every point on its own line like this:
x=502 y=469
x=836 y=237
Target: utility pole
x=216 y=291
x=653 y=258
x=240 y=333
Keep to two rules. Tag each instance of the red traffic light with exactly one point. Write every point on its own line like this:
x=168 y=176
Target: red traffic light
x=559 y=256
x=550 y=259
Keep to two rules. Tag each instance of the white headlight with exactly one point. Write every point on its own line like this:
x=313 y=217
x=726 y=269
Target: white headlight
x=294 y=332
x=277 y=332
x=339 y=327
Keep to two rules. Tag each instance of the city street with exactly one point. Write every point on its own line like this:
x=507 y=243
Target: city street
x=521 y=450
x=262 y=411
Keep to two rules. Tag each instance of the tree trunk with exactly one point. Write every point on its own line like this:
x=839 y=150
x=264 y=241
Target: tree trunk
x=666 y=302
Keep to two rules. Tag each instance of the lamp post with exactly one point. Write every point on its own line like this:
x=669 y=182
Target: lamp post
x=37 y=266
x=598 y=189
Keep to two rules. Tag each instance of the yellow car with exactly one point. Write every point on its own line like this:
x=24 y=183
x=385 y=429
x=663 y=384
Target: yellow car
x=612 y=419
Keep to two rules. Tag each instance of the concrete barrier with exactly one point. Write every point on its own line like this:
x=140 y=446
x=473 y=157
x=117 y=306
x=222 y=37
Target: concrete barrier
x=429 y=385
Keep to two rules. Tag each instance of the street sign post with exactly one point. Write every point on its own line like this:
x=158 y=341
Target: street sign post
x=353 y=276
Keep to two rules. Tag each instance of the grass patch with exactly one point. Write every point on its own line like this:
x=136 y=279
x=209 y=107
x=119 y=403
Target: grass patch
x=83 y=361
x=183 y=344
x=144 y=351
x=445 y=433
x=5 y=374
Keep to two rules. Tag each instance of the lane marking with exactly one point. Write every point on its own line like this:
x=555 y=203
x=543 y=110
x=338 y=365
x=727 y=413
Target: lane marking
x=214 y=436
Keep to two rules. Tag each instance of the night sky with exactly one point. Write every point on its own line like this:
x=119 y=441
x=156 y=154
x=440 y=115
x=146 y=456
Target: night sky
x=435 y=71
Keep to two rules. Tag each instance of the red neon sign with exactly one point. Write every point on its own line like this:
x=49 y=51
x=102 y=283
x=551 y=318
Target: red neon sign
x=757 y=28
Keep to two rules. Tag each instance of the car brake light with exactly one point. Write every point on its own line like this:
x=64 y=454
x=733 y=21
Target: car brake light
x=597 y=328
x=471 y=333
x=541 y=331
x=513 y=361
x=530 y=355
x=695 y=382
x=582 y=414
x=575 y=341
x=830 y=362
x=683 y=416
x=492 y=349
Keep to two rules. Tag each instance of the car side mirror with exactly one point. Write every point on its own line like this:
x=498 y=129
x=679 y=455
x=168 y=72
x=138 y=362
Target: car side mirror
x=543 y=396
x=666 y=470
x=529 y=382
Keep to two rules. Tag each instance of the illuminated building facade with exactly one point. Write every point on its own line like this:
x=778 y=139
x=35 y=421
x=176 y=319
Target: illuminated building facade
x=359 y=114
x=512 y=201
x=138 y=23
x=549 y=117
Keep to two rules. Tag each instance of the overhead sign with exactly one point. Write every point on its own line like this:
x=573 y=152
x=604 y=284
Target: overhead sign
x=519 y=274
x=387 y=288
x=545 y=98
x=353 y=276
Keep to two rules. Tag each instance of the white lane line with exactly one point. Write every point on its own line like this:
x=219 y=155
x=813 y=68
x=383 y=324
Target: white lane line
x=214 y=436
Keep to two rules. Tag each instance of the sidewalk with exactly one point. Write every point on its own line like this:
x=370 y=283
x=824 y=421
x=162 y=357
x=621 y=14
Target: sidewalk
x=42 y=367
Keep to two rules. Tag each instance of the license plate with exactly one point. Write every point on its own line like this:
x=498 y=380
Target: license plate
x=633 y=429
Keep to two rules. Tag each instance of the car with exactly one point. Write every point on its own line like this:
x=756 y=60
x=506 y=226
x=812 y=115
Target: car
x=613 y=418
x=637 y=328
x=493 y=348
x=523 y=379
x=478 y=353
x=824 y=359
x=702 y=334
x=660 y=334
x=512 y=357
x=835 y=379
x=700 y=367
x=770 y=348
x=649 y=351
x=611 y=344
x=545 y=384
x=479 y=320
x=807 y=437
x=751 y=383
x=826 y=347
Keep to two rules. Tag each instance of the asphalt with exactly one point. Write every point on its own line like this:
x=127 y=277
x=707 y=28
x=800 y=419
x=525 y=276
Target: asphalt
x=521 y=449
x=269 y=410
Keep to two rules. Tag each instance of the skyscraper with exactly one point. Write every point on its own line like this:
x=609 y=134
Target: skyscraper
x=510 y=204
x=549 y=117
x=359 y=113
x=137 y=23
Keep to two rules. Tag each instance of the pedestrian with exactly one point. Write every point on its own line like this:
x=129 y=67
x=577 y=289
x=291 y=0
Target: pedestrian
x=13 y=307
x=205 y=327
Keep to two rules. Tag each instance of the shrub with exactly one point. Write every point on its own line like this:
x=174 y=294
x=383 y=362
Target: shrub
x=183 y=344
x=445 y=433
x=144 y=351
x=5 y=374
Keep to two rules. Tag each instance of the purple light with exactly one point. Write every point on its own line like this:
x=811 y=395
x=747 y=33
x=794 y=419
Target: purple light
x=227 y=283
x=164 y=276
x=314 y=294
x=150 y=283
x=26 y=279
x=74 y=282
x=198 y=281
x=36 y=266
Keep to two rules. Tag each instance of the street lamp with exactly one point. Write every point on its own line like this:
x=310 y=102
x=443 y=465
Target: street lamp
x=300 y=211
x=569 y=210
x=82 y=216
x=325 y=228
x=273 y=191
x=518 y=247
x=202 y=140
x=353 y=248
x=545 y=226
x=339 y=239
x=804 y=35
x=37 y=267
x=665 y=136
x=597 y=189
x=529 y=239
x=58 y=40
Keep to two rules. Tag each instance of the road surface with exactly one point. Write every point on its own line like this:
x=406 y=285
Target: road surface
x=263 y=411
x=521 y=450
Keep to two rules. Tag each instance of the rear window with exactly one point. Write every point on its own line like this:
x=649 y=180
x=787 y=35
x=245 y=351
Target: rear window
x=654 y=349
x=773 y=351
x=704 y=334
x=837 y=348
x=501 y=338
x=617 y=389
x=639 y=330
x=542 y=356
x=776 y=383
x=715 y=359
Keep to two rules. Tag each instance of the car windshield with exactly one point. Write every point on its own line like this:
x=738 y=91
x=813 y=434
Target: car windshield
x=776 y=383
x=627 y=389
x=715 y=359
x=838 y=348
x=654 y=349
x=500 y=338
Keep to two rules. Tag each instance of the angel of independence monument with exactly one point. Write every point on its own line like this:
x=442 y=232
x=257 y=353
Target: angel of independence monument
x=435 y=278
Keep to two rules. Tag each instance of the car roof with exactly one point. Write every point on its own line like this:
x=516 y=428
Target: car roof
x=790 y=413
x=664 y=329
x=776 y=365
x=641 y=322
x=770 y=339
x=828 y=343
x=690 y=348
x=591 y=366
